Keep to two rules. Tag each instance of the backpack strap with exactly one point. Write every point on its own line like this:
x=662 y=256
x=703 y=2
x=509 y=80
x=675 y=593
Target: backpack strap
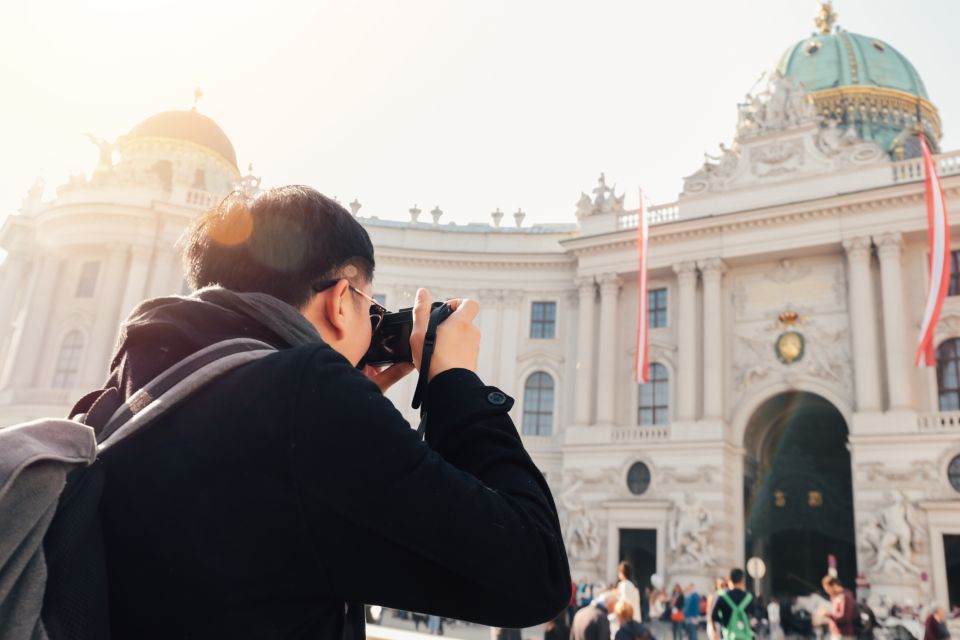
x=747 y=599
x=177 y=383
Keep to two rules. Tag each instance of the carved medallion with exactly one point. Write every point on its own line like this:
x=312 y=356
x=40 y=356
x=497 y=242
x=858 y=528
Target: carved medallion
x=789 y=347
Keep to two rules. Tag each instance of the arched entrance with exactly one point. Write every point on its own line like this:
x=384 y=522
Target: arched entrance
x=798 y=493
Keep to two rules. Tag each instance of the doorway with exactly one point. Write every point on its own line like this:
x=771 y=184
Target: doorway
x=951 y=557
x=798 y=494
x=639 y=548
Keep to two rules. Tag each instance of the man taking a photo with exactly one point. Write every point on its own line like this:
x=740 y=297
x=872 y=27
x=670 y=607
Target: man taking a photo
x=284 y=495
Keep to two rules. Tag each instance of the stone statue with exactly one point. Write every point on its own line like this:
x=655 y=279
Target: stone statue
x=34 y=195
x=714 y=173
x=782 y=104
x=890 y=538
x=689 y=533
x=105 y=162
x=582 y=535
x=605 y=200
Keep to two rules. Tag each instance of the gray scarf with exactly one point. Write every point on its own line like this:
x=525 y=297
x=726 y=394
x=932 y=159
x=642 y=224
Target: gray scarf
x=273 y=313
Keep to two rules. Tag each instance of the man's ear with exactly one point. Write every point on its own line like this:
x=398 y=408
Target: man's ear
x=336 y=299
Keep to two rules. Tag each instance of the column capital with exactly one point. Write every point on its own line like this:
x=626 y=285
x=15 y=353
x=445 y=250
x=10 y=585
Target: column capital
x=610 y=282
x=889 y=245
x=686 y=271
x=512 y=298
x=857 y=248
x=711 y=267
x=488 y=296
x=585 y=283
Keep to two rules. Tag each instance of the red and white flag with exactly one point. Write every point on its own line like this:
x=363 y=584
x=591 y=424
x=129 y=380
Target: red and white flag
x=640 y=368
x=938 y=234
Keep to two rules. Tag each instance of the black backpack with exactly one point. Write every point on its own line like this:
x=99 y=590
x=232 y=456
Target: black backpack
x=53 y=575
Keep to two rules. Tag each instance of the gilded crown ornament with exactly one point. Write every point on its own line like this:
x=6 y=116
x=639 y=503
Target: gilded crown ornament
x=826 y=17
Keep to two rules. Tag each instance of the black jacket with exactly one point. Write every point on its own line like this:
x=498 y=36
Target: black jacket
x=290 y=486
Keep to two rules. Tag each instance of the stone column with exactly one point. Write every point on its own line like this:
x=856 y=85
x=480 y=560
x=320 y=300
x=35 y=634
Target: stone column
x=96 y=357
x=489 y=300
x=686 y=409
x=25 y=356
x=11 y=283
x=587 y=292
x=607 y=351
x=713 y=369
x=166 y=274
x=899 y=391
x=863 y=323
x=136 y=281
x=511 y=331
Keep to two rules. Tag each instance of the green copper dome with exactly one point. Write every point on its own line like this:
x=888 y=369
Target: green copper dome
x=863 y=82
x=843 y=59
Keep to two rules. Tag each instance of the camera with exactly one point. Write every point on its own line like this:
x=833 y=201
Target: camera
x=391 y=342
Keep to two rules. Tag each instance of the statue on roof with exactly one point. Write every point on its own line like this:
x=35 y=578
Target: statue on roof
x=605 y=200
x=105 y=162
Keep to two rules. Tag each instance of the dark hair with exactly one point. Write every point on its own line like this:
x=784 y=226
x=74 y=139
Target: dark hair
x=279 y=242
x=626 y=570
x=736 y=576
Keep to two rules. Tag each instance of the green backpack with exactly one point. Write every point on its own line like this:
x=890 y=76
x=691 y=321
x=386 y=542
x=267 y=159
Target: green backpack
x=738 y=626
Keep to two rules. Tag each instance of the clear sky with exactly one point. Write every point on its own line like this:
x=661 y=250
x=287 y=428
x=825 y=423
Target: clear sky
x=466 y=105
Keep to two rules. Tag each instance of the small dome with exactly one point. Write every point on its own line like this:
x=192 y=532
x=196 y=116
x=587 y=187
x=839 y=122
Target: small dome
x=188 y=126
x=863 y=82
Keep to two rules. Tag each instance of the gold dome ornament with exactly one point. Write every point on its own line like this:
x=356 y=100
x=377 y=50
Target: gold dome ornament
x=826 y=17
x=790 y=344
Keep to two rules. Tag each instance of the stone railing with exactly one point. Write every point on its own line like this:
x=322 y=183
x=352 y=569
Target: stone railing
x=657 y=214
x=911 y=170
x=639 y=434
x=200 y=198
x=940 y=421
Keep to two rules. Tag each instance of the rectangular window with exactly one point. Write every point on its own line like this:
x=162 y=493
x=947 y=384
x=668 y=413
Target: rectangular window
x=88 y=279
x=954 y=274
x=657 y=308
x=543 y=320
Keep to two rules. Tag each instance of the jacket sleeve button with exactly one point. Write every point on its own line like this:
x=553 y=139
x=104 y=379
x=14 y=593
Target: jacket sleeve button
x=496 y=398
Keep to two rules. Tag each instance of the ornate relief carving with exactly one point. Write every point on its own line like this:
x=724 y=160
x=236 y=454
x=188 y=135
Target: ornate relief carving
x=689 y=533
x=581 y=531
x=920 y=470
x=776 y=158
x=890 y=537
x=705 y=474
x=826 y=358
x=788 y=271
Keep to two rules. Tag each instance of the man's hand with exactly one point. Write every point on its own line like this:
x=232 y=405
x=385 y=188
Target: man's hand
x=458 y=339
x=385 y=378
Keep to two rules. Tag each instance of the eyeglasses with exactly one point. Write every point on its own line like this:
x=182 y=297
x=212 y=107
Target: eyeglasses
x=377 y=310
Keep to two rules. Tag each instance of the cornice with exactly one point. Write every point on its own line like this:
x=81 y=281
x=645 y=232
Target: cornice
x=805 y=211
x=497 y=262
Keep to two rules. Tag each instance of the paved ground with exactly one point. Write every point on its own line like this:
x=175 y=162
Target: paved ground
x=462 y=630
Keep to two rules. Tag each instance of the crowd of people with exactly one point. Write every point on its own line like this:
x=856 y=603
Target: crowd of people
x=729 y=611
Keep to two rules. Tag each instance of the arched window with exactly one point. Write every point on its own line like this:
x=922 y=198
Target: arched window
x=68 y=362
x=538 y=405
x=948 y=374
x=654 y=405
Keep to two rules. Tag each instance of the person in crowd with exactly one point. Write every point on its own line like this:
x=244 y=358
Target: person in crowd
x=435 y=625
x=418 y=619
x=843 y=609
x=572 y=607
x=557 y=629
x=691 y=611
x=719 y=586
x=585 y=592
x=734 y=611
x=658 y=611
x=245 y=511
x=591 y=622
x=773 y=617
x=627 y=589
x=676 y=612
x=629 y=629
x=935 y=626
x=499 y=633
x=645 y=605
